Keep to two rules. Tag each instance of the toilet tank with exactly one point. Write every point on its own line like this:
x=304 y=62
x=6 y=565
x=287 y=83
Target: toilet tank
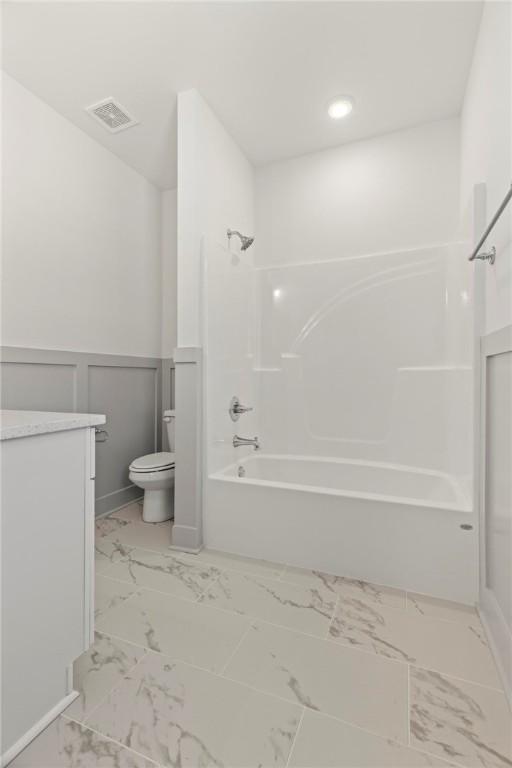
x=169 y=417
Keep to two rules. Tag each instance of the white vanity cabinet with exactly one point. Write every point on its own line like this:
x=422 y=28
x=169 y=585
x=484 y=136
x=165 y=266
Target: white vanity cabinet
x=47 y=565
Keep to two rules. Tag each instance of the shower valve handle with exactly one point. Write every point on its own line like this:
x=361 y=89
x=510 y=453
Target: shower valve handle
x=236 y=409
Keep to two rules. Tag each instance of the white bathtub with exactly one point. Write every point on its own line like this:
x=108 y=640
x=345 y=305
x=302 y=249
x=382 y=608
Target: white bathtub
x=384 y=523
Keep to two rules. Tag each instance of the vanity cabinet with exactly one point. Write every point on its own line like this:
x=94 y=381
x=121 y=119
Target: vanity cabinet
x=47 y=565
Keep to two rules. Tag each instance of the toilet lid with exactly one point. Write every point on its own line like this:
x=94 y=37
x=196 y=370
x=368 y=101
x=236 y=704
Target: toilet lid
x=153 y=461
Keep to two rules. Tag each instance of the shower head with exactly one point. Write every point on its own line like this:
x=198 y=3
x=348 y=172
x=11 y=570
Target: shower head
x=246 y=241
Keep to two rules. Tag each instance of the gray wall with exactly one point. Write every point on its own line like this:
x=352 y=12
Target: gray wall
x=130 y=391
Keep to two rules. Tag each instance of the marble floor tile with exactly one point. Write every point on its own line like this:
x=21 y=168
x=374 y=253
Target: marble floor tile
x=98 y=670
x=227 y=561
x=323 y=742
x=66 y=744
x=179 y=628
x=154 y=536
x=101 y=562
x=130 y=513
x=342 y=585
x=442 y=609
x=360 y=688
x=466 y=723
x=448 y=647
x=109 y=594
x=107 y=525
x=164 y=572
x=182 y=716
x=303 y=608
x=108 y=550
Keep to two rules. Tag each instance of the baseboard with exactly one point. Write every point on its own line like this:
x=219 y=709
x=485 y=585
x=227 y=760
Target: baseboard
x=109 y=511
x=36 y=729
x=186 y=538
x=116 y=500
x=189 y=550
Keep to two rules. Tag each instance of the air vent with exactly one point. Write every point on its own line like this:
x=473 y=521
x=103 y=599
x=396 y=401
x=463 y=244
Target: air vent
x=111 y=115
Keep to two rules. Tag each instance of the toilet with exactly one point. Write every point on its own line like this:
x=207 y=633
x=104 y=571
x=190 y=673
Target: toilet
x=154 y=473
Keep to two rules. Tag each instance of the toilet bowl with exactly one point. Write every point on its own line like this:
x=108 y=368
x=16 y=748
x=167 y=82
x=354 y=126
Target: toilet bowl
x=154 y=473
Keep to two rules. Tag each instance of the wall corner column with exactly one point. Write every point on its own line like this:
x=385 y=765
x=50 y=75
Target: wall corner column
x=188 y=491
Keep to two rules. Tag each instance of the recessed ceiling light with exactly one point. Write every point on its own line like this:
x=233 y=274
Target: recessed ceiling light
x=340 y=107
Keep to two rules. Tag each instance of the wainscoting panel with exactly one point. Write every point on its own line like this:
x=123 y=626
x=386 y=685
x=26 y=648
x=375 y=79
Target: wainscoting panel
x=39 y=386
x=128 y=398
x=128 y=390
x=168 y=399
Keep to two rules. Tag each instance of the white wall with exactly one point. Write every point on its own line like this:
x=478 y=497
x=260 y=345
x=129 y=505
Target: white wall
x=215 y=192
x=169 y=277
x=81 y=238
x=486 y=149
x=397 y=191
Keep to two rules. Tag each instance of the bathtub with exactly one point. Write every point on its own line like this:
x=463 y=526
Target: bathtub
x=393 y=525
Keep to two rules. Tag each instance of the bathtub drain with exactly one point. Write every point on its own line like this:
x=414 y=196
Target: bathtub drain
x=241 y=471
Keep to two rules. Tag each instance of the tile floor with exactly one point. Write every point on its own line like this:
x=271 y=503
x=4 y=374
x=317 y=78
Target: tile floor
x=218 y=660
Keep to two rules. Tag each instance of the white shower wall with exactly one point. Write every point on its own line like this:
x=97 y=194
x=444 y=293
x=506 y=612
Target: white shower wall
x=229 y=349
x=365 y=347
x=347 y=325
x=358 y=360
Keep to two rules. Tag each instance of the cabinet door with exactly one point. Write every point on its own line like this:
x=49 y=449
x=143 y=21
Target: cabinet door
x=43 y=505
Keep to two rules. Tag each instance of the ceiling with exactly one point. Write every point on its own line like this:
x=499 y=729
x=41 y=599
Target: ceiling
x=268 y=69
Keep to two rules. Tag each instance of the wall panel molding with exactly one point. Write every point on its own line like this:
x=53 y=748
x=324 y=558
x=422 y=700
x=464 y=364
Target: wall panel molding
x=131 y=391
x=188 y=485
x=168 y=398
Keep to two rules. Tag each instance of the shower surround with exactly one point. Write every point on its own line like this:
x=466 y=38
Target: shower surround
x=360 y=373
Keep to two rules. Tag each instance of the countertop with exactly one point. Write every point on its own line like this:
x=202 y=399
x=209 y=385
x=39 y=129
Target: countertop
x=25 y=423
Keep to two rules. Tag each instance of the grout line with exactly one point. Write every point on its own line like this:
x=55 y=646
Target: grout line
x=139 y=590
x=295 y=736
x=387 y=739
x=109 y=692
x=417 y=665
x=109 y=738
x=145 y=648
x=133 y=546
x=280 y=578
x=128 y=642
x=472 y=614
x=221 y=675
x=325 y=638
x=186 y=558
x=222 y=672
x=242 y=684
x=136 y=591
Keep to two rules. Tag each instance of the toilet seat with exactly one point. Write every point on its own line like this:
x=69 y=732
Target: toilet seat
x=153 y=462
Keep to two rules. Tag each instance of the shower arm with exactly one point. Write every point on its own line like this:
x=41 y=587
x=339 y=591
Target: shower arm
x=244 y=239
x=490 y=255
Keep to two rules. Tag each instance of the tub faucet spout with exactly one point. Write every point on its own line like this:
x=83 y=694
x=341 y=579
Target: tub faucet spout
x=239 y=441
